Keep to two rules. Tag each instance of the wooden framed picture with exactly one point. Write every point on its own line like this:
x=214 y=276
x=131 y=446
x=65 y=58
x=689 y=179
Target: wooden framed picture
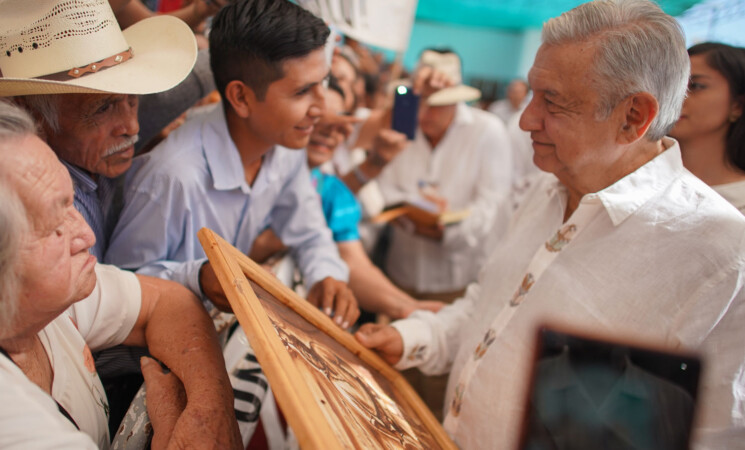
x=334 y=392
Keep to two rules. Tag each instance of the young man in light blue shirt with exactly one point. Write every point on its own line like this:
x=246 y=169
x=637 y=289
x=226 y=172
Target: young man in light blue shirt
x=232 y=168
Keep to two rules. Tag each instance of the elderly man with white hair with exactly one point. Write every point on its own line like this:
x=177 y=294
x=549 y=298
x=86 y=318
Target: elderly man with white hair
x=58 y=304
x=618 y=239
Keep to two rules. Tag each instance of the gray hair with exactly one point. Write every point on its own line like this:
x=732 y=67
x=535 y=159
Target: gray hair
x=639 y=49
x=15 y=122
x=46 y=107
x=13 y=226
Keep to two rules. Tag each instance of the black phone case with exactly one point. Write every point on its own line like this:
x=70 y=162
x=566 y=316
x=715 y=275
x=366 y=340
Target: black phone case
x=405 y=111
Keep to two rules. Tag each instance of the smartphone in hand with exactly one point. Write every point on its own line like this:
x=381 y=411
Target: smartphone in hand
x=405 y=111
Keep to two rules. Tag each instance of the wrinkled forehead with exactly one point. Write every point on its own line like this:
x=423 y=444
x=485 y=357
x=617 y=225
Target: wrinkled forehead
x=74 y=108
x=40 y=180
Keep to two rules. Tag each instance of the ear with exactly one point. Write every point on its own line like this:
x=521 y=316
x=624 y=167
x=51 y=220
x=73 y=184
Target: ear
x=735 y=111
x=639 y=110
x=240 y=97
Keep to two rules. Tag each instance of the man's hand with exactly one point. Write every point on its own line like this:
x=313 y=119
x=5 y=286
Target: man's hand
x=166 y=400
x=266 y=245
x=202 y=427
x=341 y=123
x=427 y=81
x=178 y=425
x=386 y=146
x=383 y=339
x=212 y=289
x=435 y=232
x=336 y=300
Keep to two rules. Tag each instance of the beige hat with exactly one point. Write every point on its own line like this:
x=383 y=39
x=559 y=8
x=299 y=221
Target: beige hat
x=76 y=46
x=448 y=63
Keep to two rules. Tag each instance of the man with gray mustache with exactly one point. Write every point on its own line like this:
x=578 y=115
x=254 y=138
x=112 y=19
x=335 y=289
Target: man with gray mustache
x=94 y=136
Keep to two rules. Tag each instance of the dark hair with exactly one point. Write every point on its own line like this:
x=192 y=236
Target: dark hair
x=730 y=62
x=334 y=86
x=250 y=39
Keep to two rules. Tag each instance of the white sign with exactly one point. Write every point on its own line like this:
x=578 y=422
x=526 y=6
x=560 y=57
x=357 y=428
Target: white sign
x=383 y=23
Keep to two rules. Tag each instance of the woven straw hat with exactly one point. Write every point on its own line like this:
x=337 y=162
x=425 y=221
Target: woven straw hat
x=76 y=46
x=448 y=63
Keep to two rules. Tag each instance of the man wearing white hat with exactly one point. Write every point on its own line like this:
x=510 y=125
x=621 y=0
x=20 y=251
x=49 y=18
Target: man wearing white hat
x=461 y=156
x=459 y=159
x=52 y=47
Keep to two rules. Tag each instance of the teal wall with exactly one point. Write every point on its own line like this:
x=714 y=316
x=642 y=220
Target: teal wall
x=487 y=54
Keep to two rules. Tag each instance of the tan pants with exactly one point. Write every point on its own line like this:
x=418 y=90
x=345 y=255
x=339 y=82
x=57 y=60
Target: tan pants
x=431 y=388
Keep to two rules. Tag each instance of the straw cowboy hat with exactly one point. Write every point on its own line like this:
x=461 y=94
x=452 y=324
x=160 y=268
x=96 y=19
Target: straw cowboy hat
x=76 y=46
x=448 y=63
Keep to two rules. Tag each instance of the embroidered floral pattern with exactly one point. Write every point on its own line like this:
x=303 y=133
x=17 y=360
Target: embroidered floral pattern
x=483 y=346
x=523 y=290
x=457 y=403
x=561 y=238
x=417 y=353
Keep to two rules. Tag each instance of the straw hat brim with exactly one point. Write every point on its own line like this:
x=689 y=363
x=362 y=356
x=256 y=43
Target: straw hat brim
x=164 y=51
x=454 y=94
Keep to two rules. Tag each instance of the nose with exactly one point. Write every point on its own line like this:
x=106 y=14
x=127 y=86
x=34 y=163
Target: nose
x=318 y=105
x=530 y=119
x=128 y=124
x=81 y=234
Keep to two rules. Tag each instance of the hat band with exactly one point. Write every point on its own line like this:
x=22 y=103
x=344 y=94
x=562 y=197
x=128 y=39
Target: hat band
x=77 y=72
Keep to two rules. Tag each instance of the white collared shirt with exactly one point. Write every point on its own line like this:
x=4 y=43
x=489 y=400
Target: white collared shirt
x=472 y=166
x=662 y=259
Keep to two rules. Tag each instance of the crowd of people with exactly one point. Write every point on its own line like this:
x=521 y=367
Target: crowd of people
x=605 y=193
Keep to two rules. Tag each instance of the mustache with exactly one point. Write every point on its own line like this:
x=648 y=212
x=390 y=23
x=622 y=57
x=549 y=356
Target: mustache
x=126 y=143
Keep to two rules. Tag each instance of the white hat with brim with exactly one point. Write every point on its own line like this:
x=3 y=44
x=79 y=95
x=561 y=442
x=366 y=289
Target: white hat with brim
x=448 y=63
x=163 y=51
x=454 y=94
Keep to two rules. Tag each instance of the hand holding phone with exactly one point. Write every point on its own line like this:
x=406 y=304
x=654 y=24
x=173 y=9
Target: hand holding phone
x=405 y=111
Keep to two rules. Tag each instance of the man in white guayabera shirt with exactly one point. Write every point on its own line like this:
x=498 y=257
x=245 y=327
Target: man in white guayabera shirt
x=617 y=239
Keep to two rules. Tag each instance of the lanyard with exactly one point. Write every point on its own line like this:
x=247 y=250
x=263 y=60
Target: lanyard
x=543 y=258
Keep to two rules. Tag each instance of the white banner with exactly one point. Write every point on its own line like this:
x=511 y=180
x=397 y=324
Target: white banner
x=383 y=23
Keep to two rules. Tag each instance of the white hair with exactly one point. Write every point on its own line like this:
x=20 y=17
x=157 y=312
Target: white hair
x=13 y=226
x=639 y=49
x=46 y=107
x=15 y=123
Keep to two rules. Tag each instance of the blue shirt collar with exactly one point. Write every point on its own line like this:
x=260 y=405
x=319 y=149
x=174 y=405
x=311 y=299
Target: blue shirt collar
x=224 y=160
x=82 y=179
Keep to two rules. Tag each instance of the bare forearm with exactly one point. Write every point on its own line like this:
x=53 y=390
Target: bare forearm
x=373 y=290
x=179 y=333
x=367 y=171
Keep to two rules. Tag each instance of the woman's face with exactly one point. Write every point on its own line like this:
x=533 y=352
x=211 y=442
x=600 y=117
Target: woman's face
x=709 y=105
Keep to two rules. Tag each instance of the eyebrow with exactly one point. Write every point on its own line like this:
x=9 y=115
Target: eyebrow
x=313 y=83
